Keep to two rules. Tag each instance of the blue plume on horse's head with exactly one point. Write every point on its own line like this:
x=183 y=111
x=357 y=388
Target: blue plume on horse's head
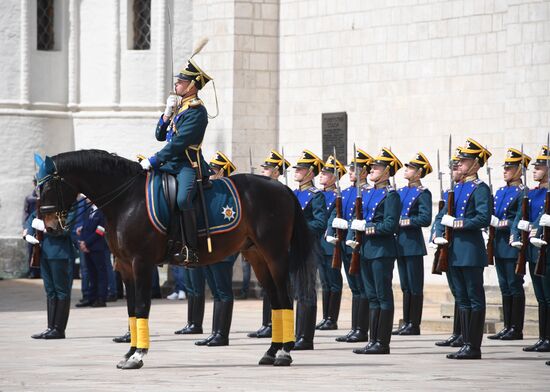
x=38 y=161
x=45 y=169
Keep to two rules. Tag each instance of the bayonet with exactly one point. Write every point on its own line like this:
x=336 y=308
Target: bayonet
x=284 y=166
x=439 y=175
x=336 y=173
x=250 y=160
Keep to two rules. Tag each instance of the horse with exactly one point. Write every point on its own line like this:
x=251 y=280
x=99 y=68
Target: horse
x=272 y=234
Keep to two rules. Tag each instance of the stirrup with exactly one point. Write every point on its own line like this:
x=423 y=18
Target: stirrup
x=187 y=256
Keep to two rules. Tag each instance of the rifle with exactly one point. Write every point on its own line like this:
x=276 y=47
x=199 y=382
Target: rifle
x=443 y=261
x=540 y=267
x=250 y=160
x=337 y=254
x=355 y=259
x=492 y=230
x=441 y=204
x=36 y=249
x=522 y=260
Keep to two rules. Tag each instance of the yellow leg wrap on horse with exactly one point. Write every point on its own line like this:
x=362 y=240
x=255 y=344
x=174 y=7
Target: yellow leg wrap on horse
x=133 y=331
x=142 y=333
x=277 y=326
x=288 y=325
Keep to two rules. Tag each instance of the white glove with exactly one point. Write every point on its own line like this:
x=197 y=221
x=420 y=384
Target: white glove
x=38 y=224
x=494 y=221
x=524 y=225
x=544 y=220
x=485 y=236
x=359 y=225
x=448 y=220
x=440 y=241
x=352 y=244
x=432 y=245
x=339 y=223
x=145 y=164
x=171 y=103
x=517 y=244
x=331 y=240
x=31 y=240
x=537 y=242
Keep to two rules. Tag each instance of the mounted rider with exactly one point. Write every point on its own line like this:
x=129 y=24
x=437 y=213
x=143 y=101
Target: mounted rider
x=182 y=126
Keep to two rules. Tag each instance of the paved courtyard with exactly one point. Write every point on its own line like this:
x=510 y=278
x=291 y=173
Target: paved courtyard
x=86 y=360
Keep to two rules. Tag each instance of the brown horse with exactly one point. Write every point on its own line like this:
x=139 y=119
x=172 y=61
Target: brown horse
x=272 y=235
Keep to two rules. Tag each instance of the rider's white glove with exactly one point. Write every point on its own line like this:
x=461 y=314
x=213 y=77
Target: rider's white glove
x=544 y=220
x=524 y=225
x=537 y=242
x=448 y=220
x=31 y=240
x=352 y=244
x=171 y=103
x=494 y=221
x=331 y=240
x=339 y=223
x=440 y=241
x=516 y=244
x=38 y=224
x=145 y=164
x=359 y=225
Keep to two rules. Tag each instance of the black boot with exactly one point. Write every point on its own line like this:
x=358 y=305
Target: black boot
x=456 y=331
x=50 y=306
x=385 y=324
x=472 y=346
x=305 y=326
x=406 y=314
x=221 y=338
x=465 y=328
x=326 y=300
x=265 y=329
x=333 y=311
x=195 y=316
x=542 y=329
x=518 y=315
x=189 y=254
x=354 y=311
x=215 y=322
x=374 y=316
x=413 y=328
x=361 y=333
x=545 y=345
x=62 y=309
x=507 y=315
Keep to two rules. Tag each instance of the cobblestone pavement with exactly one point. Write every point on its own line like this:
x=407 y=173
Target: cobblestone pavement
x=86 y=360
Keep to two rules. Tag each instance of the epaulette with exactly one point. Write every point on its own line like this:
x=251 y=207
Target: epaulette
x=314 y=190
x=422 y=188
x=195 y=102
x=521 y=186
x=390 y=188
x=477 y=181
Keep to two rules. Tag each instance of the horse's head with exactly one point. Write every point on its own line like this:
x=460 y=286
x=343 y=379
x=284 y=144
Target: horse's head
x=56 y=196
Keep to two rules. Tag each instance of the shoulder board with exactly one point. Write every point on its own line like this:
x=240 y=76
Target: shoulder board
x=195 y=103
x=367 y=186
x=521 y=186
x=314 y=190
x=477 y=181
x=422 y=188
x=390 y=188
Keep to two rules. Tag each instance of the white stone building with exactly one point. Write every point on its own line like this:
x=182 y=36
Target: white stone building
x=407 y=73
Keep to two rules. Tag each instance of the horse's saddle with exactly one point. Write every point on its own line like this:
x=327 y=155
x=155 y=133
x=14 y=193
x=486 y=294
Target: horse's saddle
x=222 y=201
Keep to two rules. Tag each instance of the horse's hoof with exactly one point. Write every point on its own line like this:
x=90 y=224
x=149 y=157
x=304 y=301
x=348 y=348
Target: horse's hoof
x=132 y=364
x=267 y=359
x=121 y=363
x=283 y=359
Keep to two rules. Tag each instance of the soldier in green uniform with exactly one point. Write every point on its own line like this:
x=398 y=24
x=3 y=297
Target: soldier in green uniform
x=467 y=252
x=416 y=213
x=380 y=223
x=507 y=202
x=312 y=201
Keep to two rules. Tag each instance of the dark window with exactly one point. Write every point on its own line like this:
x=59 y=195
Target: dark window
x=44 y=23
x=142 y=24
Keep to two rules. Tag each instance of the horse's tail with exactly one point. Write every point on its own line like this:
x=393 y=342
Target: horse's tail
x=302 y=246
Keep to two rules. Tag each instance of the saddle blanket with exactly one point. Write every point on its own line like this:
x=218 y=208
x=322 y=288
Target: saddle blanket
x=222 y=201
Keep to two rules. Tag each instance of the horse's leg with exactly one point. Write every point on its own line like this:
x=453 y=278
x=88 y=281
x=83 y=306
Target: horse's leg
x=131 y=306
x=143 y=282
x=261 y=271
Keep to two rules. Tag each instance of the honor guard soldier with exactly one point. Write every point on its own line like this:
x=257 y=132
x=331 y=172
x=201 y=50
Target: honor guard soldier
x=416 y=213
x=507 y=203
x=467 y=252
x=273 y=167
x=455 y=340
x=183 y=126
x=331 y=279
x=359 y=300
x=537 y=219
x=379 y=250
x=312 y=201
x=219 y=276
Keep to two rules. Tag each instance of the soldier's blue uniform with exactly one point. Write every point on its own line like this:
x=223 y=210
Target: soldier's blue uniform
x=379 y=250
x=467 y=252
x=541 y=285
x=314 y=208
x=416 y=213
x=507 y=202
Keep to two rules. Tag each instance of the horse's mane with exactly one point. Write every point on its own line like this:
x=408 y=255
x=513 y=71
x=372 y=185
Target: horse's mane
x=95 y=161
